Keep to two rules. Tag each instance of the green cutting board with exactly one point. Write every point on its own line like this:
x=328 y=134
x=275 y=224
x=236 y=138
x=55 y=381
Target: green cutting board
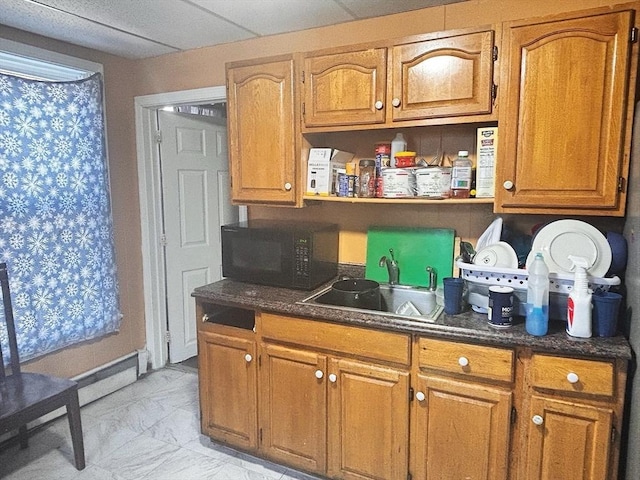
x=414 y=249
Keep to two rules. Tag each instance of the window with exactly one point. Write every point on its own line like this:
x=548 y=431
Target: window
x=56 y=230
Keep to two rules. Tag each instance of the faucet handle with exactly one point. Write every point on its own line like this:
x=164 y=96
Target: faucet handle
x=433 y=278
x=383 y=261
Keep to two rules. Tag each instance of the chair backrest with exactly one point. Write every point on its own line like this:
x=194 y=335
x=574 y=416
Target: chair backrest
x=14 y=359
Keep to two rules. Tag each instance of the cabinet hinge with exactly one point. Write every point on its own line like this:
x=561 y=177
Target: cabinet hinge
x=259 y=360
x=163 y=240
x=158 y=136
x=260 y=435
x=514 y=415
x=409 y=476
x=495 y=53
x=303 y=109
x=621 y=184
x=302 y=74
x=167 y=336
x=634 y=34
x=494 y=91
x=411 y=394
x=614 y=434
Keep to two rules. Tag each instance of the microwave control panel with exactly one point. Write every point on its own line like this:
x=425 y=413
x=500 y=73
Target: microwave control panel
x=302 y=257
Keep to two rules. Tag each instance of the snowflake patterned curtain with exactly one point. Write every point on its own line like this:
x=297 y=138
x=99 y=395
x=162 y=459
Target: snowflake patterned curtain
x=56 y=232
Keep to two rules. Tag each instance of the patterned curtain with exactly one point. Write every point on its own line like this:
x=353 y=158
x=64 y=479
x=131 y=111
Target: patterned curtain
x=56 y=232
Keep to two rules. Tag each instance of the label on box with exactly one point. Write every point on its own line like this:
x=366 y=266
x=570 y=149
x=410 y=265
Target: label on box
x=486 y=148
x=321 y=168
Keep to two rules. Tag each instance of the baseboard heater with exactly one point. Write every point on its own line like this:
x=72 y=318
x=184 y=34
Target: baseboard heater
x=98 y=383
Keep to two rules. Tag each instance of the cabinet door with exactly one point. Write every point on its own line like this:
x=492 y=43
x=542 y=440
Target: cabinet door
x=262 y=133
x=228 y=389
x=345 y=88
x=567 y=441
x=294 y=407
x=443 y=77
x=460 y=430
x=368 y=421
x=565 y=115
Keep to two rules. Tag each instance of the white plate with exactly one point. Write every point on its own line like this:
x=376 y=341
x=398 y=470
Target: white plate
x=500 y=255
x=562 y=238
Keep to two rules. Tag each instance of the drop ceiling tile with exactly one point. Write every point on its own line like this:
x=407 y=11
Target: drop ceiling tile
x=61 y=26
x=376 y=8
x=267 y=17
x=174 y=23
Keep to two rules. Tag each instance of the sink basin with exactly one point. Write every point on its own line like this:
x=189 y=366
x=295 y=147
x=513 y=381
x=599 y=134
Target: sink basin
x=396 y=300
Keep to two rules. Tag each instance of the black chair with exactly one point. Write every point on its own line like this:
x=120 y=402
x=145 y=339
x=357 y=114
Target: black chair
x=24 y=397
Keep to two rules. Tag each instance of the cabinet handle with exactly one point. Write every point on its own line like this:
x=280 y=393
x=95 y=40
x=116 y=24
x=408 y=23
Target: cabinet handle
x=537 y=419
x=319 y=374
x=205 y=318
x=573 y=377
x=333 y=377
x=378 y=105
x=248 y=357
x=420 y=396
x=395 y=102
x=287 y=186
x=463 y=361
x=508 y=184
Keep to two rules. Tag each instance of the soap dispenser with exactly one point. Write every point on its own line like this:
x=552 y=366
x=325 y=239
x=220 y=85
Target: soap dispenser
x=579 y=302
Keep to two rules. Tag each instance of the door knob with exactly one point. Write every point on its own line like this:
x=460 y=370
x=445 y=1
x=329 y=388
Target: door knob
x=395 y=102
x=420 y=396
x=287 y=186
x=333 y=377
x=319 y=374
x=378 y=105
x=248 y=357
x=508 y=184
x=463 y=361
x=537 y=419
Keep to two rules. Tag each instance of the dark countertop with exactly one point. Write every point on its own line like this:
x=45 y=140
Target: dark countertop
x=468 y=326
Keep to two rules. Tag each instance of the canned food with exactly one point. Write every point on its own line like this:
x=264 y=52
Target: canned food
x=383 y=157
x=433 y=182
x=398 y=182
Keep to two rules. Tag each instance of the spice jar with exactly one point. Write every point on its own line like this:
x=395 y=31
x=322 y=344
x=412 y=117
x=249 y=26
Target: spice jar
x=367 y=179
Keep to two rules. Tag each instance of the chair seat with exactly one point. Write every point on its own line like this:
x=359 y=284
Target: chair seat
x=24 y=395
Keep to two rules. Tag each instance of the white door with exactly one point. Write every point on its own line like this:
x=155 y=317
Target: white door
x=196 y=201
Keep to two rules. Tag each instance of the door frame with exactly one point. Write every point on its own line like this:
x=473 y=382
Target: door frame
x=151 y=220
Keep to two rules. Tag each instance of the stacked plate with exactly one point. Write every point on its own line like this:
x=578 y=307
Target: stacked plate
x=499 y=255
x=559 y=239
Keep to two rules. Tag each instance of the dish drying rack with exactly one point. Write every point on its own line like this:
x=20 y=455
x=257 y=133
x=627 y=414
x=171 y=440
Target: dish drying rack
x=480 y=277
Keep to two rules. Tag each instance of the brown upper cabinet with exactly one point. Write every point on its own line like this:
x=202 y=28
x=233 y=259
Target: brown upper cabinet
x=264 y=140
x=409 y=83
x=568 y=86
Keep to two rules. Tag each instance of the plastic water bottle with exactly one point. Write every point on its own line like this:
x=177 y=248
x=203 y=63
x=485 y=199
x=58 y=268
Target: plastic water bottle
x=398 y=144
x=461 y=174
x=537 y=321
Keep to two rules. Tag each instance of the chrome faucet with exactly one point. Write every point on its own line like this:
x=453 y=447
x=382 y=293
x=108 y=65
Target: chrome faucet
x=433 y=279
x=392 y=267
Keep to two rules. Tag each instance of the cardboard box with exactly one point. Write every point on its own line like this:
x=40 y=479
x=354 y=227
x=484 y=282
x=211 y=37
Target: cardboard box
x=486 y=150
x=321 y=164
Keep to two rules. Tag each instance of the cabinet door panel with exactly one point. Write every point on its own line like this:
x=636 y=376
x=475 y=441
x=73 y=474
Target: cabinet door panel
x=343 y=88
x=228 y=393
x=262 y=138
x=565 y=112
x=369 y=421
x=443 y=77
x=461 y=430
x=572 y=443
x=294 y=406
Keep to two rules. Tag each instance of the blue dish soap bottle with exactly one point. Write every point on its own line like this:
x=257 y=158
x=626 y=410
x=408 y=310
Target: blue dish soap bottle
x=537 y=321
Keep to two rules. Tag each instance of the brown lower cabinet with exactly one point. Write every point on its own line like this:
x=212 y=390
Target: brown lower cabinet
x=356 y=403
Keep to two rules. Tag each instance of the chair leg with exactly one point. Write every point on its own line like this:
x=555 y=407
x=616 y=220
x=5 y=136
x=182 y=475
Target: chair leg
x=23 y=436
x=75 y=425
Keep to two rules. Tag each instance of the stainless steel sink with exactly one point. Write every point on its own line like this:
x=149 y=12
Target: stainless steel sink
x=396 y=300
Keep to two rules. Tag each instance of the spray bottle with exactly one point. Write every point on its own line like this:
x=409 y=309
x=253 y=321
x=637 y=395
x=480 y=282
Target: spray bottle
x=579 y=303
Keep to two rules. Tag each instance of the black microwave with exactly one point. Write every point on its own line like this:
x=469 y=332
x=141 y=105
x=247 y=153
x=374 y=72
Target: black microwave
x=283 y=254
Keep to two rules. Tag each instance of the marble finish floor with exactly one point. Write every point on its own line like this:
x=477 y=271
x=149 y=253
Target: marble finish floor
x=147 y=430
